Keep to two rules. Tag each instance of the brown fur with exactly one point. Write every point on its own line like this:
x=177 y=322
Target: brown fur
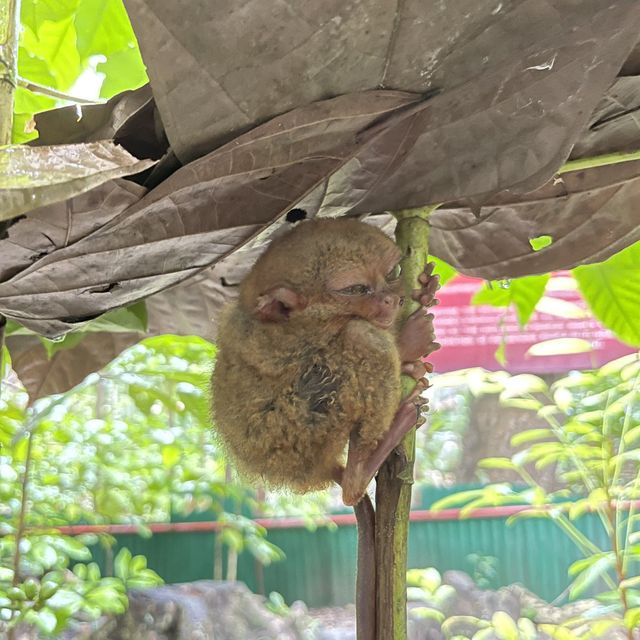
x=287 y=395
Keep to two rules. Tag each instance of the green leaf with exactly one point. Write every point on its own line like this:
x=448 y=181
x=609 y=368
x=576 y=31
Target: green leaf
x=104 y=29
x=55 y=43
x=68 y=341
x=531 y=435
x=497 y=463
x=442 y=269
x=121 y=564
x=522 y=293
x=170 y=455
x=632 y=618
x=132 y=318
x=504 y=626
x=561 y=308
x=45 y=554
x=427 y=613
x=34 y=12
x=589 y=570
x=500 y=354
x=123 y=70
x=560 y=346
x=456 y=499
x=527 y=629
x=612 y=291
x=45 y=620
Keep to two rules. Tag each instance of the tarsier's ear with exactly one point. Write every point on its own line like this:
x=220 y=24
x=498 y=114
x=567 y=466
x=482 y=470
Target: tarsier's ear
x=277 y=304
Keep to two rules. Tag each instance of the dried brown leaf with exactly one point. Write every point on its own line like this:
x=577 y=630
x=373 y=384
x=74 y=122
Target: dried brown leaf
x=32 y=177
x=42 y=376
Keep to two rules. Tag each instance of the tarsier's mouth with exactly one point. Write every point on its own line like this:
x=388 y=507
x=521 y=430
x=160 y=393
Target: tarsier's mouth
x=383 y=323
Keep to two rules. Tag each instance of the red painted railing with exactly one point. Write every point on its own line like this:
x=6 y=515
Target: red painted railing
x=342 y=520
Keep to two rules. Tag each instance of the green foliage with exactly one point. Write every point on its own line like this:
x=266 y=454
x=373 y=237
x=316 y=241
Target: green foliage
x=593 y=439
x=425 y=586
x=132 y=444
x=540 y=242
x=83 y=47
x=522 y=293
x=612 y=291
x=442 y=269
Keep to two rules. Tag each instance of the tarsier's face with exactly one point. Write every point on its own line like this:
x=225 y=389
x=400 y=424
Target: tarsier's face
x=370 y=291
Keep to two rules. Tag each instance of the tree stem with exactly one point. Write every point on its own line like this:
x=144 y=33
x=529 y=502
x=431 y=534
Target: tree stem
x=34 y=87
x=9 y=30
x=599 y=161
x=393 y=485
x=3 y=325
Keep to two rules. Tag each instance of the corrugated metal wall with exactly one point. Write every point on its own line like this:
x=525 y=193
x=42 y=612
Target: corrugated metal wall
x=320 y=565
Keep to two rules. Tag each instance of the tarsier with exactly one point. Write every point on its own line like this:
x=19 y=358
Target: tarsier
x=310 y=359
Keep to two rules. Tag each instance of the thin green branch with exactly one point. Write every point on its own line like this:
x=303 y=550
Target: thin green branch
x=599 y=161
x=9 y=30
x=393 y=484
x=53 y=93
x=3 y=325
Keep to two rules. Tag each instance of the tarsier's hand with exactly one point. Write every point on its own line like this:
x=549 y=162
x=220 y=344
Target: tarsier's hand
x=417 y=337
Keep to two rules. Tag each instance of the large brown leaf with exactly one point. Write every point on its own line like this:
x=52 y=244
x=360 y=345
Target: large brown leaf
x=590 y=215
x=491 y=244
x=198 y=215
x=520 y=79
x=32 y=177
x=43 y=376
x=614 y=125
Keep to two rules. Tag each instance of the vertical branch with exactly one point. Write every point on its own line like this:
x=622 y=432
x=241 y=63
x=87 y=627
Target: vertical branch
x=3 y=324
x=9 y=30
x=393 y=487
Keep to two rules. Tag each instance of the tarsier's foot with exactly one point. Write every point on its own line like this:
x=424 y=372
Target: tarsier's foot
x=361 y=468
x=430 y=283
x=417 y=338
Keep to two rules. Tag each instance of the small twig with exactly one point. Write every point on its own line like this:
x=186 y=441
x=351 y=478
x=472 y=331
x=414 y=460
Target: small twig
x=3 y=324
x=54 y=93
x=599 y=161
x=9 y=30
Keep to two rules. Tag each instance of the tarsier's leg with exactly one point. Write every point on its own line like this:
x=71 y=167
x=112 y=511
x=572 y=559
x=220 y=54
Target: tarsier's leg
x=363 y=464
x=416 y=340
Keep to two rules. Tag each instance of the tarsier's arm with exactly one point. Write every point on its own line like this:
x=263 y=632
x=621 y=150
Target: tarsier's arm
x=416 y=340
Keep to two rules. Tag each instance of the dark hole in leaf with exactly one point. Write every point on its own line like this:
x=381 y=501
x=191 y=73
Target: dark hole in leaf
x=36 y=256
x=106 y=288
x=295 y=215
x=540 y=242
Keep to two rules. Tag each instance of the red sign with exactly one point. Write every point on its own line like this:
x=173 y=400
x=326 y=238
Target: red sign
x=470 y=334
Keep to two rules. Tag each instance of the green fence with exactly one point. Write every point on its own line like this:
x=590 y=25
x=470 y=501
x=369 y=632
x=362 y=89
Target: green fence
x=320 y=565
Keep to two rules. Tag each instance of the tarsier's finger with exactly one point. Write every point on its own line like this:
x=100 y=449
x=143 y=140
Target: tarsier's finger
x=415 y=370
x=433 y=346
x=421 y=420
x=415 y=397
x=427 y=294
x=428 y=365
x=427 y=272
x=425 y=299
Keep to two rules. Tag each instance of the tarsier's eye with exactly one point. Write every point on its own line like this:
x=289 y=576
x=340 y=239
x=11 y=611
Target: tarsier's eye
x=394 y=274
x=356 y=290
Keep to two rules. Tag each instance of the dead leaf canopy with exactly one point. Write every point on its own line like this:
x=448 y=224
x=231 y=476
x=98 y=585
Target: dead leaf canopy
x=326 y=108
